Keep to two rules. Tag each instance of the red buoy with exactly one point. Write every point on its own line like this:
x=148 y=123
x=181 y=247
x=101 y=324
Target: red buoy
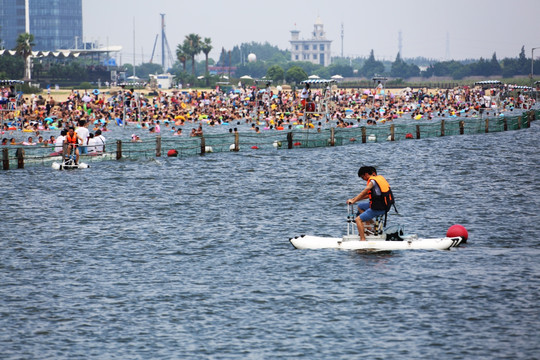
x=254 y=147
x=458 y=230
x=172 y=153
x=298 y=143
x=408 y=136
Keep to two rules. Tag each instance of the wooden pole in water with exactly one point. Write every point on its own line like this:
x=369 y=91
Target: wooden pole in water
x=118 y=149
x=332 y=136
x=392 y=132
x=64 y=150
x=203 y=145
x=364 y=137
x=519 y=122
x=290 y=140
x=505 y=124
x=487 y=125
x=158 y=146
x=418 y=131
x=442 y=127
x=461 y=127
x=20 y=158
x=5 y=158
x=236 y=142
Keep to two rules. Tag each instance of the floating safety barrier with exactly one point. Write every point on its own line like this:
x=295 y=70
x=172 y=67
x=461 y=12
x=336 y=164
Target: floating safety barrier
x=18 y=156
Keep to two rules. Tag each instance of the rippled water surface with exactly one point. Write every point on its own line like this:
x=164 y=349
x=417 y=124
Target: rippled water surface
x=190 y=258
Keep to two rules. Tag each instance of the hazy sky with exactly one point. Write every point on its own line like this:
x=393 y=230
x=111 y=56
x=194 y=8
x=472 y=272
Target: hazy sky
x=435 y=29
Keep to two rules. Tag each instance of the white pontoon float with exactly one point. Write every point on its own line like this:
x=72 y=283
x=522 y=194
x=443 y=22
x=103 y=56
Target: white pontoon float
x=377 y=239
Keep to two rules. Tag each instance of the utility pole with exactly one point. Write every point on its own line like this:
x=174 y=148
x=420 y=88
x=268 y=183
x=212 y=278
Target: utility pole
x=163 y=42
x=342 y=35
x=532 y=61
x=134 y=48
x=400 y=44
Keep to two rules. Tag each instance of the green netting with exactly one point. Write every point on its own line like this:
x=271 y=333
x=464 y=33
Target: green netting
x=295 y=138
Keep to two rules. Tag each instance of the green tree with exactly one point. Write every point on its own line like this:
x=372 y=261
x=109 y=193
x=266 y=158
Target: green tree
x=323 y=72
x=192 y=47
x=307 y=66
x=342 y=69
x=399 y=68
x=181 y=55
x=372 y=67
x=223 y=58
x=256 y=69
x=206 y=47
x=276 y=73
x=523 y=62
x=144 y=70
x=25 y=42
x=12 y=67
x=295 y=74
x=494 y=66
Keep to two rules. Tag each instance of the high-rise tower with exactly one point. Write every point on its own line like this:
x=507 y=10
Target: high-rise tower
x=54 y=24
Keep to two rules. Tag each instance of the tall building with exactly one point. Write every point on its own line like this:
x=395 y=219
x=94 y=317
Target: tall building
x=316 y=50
x=55 y=24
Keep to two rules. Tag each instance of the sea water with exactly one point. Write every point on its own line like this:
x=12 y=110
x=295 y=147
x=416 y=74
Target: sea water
x=190 y=258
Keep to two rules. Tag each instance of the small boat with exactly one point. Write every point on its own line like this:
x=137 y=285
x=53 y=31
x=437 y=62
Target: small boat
x=377 y=239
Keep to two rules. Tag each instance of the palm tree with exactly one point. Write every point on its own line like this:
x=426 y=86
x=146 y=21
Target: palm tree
x=206 y=47
x=181 y=55
x=193 y=42
x=25 y=42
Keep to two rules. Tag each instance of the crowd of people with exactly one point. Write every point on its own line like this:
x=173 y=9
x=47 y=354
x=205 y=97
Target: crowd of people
x=91 y=113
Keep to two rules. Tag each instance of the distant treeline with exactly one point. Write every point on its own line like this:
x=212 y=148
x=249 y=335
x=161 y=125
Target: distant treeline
x=271 y=63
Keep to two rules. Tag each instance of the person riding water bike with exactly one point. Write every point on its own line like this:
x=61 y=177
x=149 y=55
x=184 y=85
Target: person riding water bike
x=380 y=198
x=73 y=140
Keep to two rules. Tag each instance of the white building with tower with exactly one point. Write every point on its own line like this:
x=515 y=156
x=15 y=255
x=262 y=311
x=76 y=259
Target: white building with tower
x=316 y=50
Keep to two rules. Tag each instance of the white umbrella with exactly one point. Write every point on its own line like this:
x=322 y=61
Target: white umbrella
x=313 y=77
x=247 y=77
x=337 y=77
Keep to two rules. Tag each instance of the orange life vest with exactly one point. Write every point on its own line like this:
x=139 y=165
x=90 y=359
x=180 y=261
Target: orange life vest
x=72 y=139
x=383 y=201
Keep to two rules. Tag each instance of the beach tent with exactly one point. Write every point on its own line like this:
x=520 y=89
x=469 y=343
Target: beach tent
x=318 y=82
x=487 y=84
